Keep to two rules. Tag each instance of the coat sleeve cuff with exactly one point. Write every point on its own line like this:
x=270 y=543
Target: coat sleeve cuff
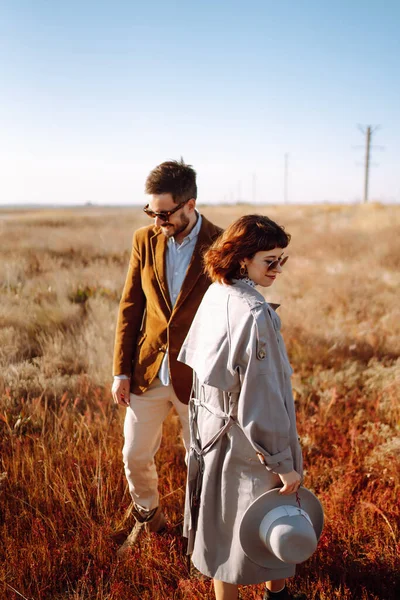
x=279 y=463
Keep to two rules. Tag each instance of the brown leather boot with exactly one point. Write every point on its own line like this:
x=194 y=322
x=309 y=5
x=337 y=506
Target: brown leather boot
x=154 y=522
x=157 y=522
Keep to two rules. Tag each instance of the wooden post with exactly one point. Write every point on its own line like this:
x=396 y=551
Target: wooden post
x=285 y=180
x=254 y=189
x=367 y=154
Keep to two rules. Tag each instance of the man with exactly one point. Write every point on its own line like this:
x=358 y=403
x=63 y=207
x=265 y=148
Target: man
x=163 y=289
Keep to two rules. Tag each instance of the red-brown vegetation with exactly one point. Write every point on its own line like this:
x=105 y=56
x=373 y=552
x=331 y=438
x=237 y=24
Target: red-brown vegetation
x=63 y=495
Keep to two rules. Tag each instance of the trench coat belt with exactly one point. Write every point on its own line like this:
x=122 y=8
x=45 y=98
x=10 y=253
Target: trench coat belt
x=220 y=414
x=196 y=461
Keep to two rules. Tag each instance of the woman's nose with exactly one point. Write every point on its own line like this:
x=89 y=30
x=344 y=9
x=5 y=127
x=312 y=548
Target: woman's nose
x=277 y=269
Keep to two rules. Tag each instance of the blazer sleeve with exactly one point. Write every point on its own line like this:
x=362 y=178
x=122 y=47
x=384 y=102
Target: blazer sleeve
x=262 y=412
x=130 y=315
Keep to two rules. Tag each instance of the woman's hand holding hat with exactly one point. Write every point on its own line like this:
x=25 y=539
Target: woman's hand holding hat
x=275 y=531
x=291 y=483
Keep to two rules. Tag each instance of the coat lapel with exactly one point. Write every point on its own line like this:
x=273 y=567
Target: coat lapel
x=159 y=250
x=274 y=306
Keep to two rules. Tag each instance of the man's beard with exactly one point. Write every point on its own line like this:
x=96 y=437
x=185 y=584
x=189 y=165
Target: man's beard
x=173 y=230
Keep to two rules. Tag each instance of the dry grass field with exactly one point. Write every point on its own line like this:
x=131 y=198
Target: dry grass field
x=62 y=488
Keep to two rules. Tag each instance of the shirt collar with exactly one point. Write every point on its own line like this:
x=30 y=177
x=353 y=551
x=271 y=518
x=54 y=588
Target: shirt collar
x=247 y=280
x=193 y=233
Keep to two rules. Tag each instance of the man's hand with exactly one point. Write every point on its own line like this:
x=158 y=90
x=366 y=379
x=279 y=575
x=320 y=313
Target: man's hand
x=291 y=483
x=120 y=391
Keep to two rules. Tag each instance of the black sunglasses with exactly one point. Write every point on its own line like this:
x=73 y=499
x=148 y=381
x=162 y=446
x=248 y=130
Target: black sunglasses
x=164 y=215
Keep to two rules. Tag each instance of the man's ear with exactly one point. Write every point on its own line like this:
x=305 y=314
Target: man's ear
x=192 y=203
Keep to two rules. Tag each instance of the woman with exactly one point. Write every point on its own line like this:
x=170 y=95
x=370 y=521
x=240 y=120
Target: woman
x=243 y=431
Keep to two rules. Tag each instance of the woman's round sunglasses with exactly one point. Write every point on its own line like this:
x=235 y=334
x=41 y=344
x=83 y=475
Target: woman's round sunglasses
x=271 y=265
x=164 y=215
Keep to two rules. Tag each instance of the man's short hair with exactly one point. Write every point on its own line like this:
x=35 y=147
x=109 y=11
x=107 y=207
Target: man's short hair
x=175 y=178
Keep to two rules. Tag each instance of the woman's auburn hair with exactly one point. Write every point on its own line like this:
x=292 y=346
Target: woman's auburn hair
x=242 y=239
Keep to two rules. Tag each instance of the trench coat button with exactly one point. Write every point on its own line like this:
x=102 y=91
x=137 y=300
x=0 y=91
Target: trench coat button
x=261 y=354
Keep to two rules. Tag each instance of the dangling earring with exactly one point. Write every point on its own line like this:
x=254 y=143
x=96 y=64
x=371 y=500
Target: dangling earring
x=243 y=270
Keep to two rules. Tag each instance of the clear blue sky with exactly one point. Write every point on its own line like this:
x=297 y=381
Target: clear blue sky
x=94 y=94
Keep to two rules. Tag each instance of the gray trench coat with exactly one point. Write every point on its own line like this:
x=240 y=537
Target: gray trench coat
x=241 y=413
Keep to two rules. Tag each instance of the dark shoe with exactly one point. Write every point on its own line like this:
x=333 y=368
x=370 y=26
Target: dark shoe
x=153 y=523
x=283 y=595
x=119 y=535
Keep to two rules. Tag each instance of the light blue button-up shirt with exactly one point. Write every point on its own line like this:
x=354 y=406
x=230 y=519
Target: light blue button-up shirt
x=177 y=262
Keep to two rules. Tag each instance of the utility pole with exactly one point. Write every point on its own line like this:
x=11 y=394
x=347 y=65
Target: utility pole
x=285 y=180
x=367 y=153
x=254 y=189
x=368 y=131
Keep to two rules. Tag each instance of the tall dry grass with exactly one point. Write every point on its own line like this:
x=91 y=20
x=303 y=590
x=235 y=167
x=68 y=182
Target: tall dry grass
x=63 y=496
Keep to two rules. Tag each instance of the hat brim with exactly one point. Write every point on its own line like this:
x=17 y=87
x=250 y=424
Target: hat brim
x=252 y=546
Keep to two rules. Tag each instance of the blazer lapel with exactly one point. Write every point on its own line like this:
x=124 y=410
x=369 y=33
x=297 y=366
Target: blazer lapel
x=159 y=250
x=195 y=267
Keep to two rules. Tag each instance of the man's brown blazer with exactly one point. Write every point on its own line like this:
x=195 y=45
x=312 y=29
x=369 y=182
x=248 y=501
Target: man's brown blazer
x=147 y=324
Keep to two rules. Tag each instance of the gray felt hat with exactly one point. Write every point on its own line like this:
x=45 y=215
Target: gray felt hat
x=278 y=530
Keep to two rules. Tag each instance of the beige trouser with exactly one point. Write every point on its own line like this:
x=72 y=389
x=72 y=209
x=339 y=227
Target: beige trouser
x=142 y=431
